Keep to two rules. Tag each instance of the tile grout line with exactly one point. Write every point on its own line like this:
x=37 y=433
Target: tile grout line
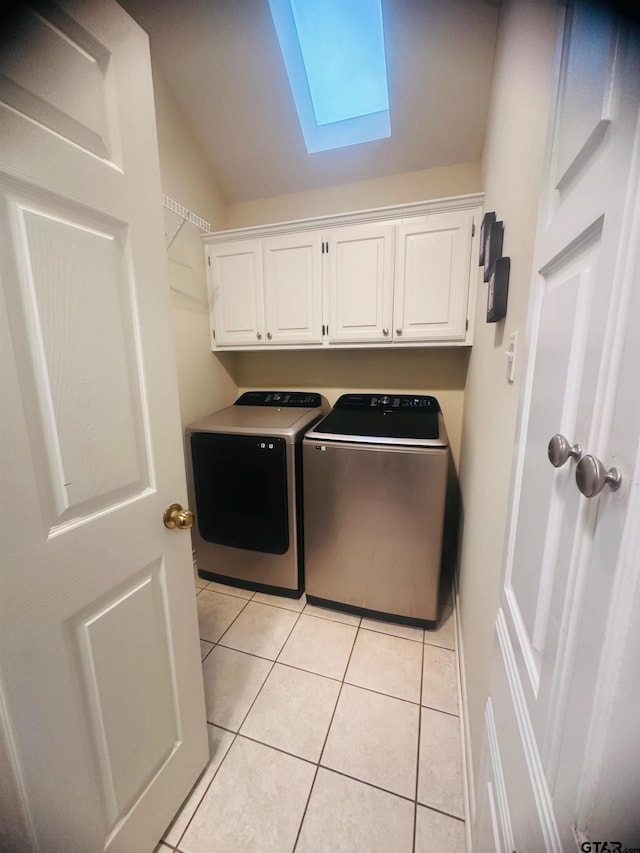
x=326 y=737
x=442 y=812
x=440 y=711
x=204 y=793
x=273 y=663
x=246 y=601
x=236 y=734
x=342 y=681
x=342 y=773
x=415 y=804
x=234 y=620
x=306 y=806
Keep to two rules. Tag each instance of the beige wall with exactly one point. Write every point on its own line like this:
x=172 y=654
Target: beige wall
x=204 y=381
x=513 y=159
x=361 y=195
x=441 y=372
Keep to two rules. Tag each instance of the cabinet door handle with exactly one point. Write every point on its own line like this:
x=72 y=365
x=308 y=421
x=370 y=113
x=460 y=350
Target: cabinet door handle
x=385 y=332
x=399 y=332
x=259 y=335
x=269 y=336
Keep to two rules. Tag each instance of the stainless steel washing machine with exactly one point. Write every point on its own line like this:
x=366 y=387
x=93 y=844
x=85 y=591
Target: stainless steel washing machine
x=245 y=484
x=375 y=482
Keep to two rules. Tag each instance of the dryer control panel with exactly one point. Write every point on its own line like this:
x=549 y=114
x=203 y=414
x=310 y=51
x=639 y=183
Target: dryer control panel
x=281 y=399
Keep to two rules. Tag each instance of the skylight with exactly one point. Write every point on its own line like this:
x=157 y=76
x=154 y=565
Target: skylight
x=334 y=55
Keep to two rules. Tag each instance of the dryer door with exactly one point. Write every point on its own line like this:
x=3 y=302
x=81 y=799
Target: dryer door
x=241 y=491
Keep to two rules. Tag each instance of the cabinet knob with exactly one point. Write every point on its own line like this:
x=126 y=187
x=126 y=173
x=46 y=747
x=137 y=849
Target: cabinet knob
x=269 y=336
x=559 y=450
x=259 y=335
x=399 y=332
x=592 y=477
x=385 y=332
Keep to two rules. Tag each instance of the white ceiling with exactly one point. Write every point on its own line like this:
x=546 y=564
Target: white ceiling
x=222 y=61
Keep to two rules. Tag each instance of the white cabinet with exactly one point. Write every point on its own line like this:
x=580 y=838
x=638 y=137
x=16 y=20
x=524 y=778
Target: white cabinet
x=293 y=288
x=391 y=277
x=433 y=260
x=266 y=292
x=236 y=298
x=360 y=283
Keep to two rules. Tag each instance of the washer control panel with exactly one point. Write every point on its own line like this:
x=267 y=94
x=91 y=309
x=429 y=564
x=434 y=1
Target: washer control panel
x=415 y=402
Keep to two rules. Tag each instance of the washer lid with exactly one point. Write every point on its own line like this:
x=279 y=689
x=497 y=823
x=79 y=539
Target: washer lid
x=398 y=419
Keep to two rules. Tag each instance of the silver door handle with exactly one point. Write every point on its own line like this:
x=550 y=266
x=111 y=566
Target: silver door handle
x=399 y=332
x=269 y=336
x=385 y=332
x=559 y=450
x=592 y=476
x=259 y=335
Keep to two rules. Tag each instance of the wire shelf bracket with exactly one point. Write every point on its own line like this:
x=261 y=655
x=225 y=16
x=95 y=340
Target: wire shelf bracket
x=185 y=216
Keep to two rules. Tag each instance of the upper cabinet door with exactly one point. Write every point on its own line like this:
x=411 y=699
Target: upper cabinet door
x=236 y=293
x=360 y=270
x=432 y=278
x=293 y=288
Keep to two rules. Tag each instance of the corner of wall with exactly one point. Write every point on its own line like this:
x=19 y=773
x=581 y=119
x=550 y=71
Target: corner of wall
x=205 y=382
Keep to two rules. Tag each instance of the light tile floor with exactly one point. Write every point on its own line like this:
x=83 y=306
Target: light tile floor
x=327 y=732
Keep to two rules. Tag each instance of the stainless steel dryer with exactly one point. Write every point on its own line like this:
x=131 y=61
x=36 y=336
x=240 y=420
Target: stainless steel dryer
x=375 y=482
x=244 y=477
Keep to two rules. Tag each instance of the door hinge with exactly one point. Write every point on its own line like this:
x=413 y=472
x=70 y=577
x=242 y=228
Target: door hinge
x=213 y=331
x=325 y=247
x=466 y=325
x=473 y=229
x=209 y=259
x=323 y=331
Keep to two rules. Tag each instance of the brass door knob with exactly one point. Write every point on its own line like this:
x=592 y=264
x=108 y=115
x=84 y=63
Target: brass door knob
x=175 y=516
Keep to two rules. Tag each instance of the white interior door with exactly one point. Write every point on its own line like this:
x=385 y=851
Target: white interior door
x=102 y=724
x=563 y=550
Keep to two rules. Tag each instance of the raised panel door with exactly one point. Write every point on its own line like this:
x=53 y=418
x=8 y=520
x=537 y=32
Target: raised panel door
x=569 y=580
x=432 y=278
x=293 y=288
x=101 y=696
x=360 y=283
x=236 y=295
